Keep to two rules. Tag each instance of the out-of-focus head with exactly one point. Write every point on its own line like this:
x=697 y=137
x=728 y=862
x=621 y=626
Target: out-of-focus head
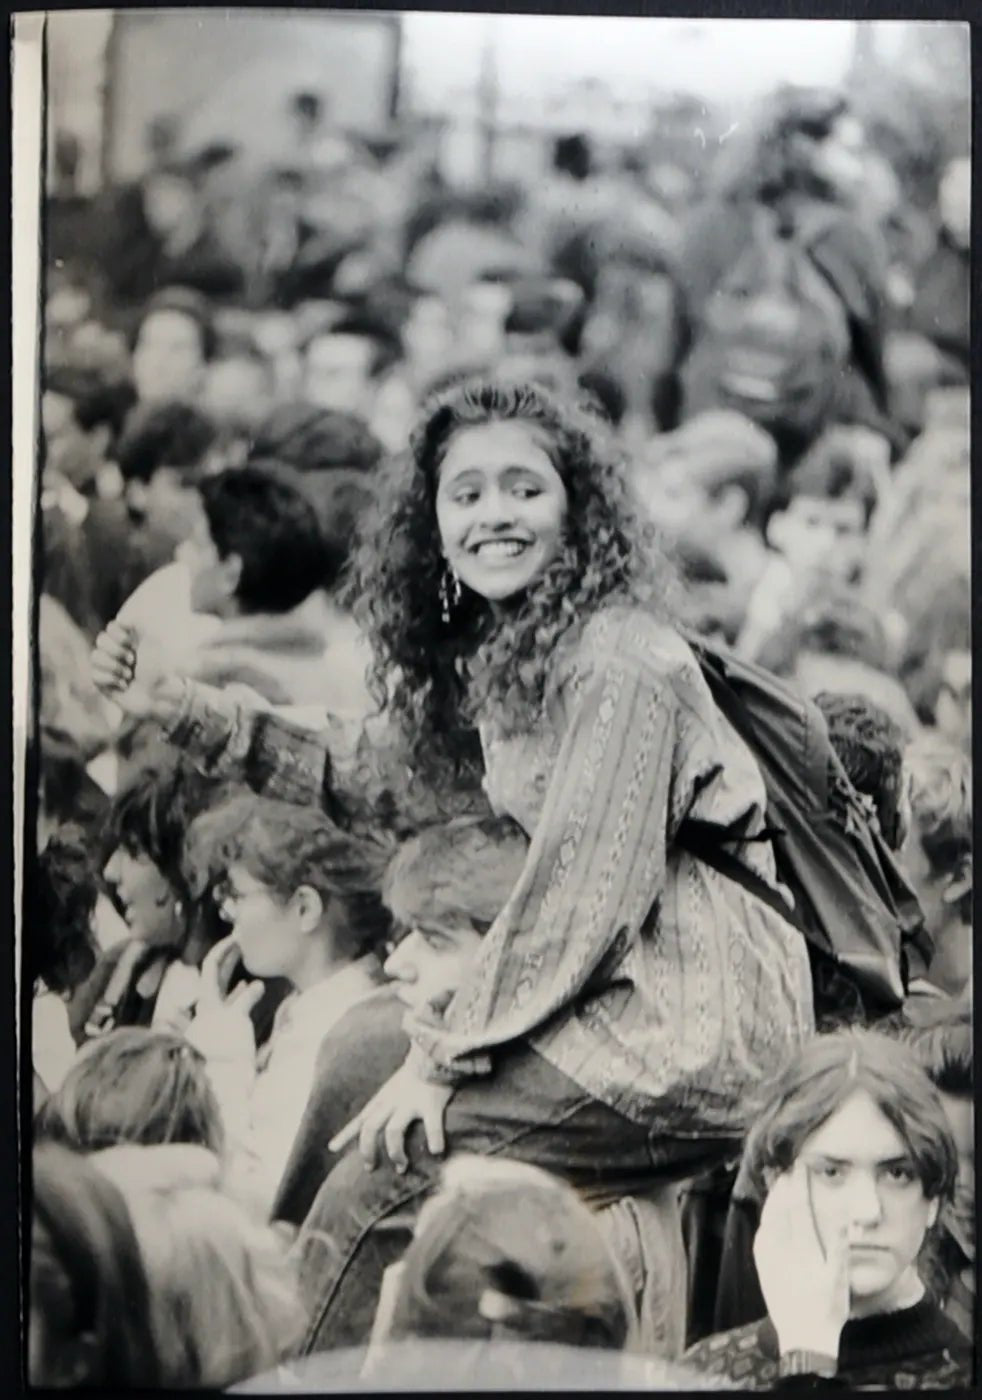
x=225 y=1301
x=718 y=465
x=174 y=340
x=134 y=1085
x=830 y=500
x=313 y=439
x=238 y=384
x=342 y=363
x=505 y=1250
x=90 y=1312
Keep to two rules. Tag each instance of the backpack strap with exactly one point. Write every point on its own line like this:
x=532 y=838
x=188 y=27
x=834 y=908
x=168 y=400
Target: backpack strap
x=706 y=841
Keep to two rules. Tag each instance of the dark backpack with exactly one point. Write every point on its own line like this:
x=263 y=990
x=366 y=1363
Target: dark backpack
x=774 y=337
x=862 y=920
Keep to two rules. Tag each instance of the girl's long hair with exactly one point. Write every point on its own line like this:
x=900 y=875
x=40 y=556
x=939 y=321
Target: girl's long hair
x=437 y=677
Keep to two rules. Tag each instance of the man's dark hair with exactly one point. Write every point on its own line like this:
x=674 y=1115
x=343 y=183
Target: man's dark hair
x=870 y=746
x=170 y=434
x=314 y=439
x=262 y=513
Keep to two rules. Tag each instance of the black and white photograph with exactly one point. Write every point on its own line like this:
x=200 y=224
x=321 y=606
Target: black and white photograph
x=492 y=697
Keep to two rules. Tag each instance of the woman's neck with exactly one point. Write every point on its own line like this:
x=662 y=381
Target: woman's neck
x=317 y=961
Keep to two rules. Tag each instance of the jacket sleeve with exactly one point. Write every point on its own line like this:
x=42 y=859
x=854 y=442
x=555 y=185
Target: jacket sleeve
x=595 y=868
x=275 y=755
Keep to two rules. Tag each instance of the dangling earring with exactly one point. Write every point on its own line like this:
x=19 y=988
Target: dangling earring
x=449 y=592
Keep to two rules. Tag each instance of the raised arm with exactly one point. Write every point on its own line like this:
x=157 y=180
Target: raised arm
x=218 y=730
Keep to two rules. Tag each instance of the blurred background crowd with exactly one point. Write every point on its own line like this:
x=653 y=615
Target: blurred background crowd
x=765 y=293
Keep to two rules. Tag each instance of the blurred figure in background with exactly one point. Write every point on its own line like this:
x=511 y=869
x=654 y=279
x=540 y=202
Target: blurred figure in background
x=90 y=1311
x=938 y=855
x=783 y=278
x=61 y=951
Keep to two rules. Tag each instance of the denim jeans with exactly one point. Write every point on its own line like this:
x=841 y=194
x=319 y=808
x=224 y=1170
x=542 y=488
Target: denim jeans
x=527 y=1110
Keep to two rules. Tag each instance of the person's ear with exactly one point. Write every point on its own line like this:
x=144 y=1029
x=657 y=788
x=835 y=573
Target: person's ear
x=933 y=1211
x=309 y=906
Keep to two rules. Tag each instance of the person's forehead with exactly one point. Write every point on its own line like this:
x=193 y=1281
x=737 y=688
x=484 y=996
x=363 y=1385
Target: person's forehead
x=858 y=1132
x=510 y=443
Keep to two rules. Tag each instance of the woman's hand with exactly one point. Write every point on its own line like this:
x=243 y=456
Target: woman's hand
x=217 y=971
x=128 y=675
x=805 y=1283
x=389 y=1115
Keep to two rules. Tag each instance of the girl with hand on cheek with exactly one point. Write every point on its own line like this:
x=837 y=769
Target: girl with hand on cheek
x=302 y=899
x=854 y=1159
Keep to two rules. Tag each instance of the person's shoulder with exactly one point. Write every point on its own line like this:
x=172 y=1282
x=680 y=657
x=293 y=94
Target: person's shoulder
x=369 y=1025
x=624 y=633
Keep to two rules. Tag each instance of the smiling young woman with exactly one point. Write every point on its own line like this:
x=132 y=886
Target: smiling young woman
x=628 y=997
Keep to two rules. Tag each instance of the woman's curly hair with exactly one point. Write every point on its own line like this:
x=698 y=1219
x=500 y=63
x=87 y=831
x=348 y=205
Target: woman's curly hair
x=436 y=677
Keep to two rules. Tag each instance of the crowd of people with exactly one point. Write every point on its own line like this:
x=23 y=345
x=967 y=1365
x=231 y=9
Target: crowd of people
x=501 y=906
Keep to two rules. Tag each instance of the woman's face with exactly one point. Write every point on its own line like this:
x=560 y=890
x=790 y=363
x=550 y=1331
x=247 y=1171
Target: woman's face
x=148 y=902
x=266 y=929
x=500 y=508
x=862 y=1176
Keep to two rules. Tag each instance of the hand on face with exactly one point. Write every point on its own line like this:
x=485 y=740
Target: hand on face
x=217 y=972
x=805 y=1283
